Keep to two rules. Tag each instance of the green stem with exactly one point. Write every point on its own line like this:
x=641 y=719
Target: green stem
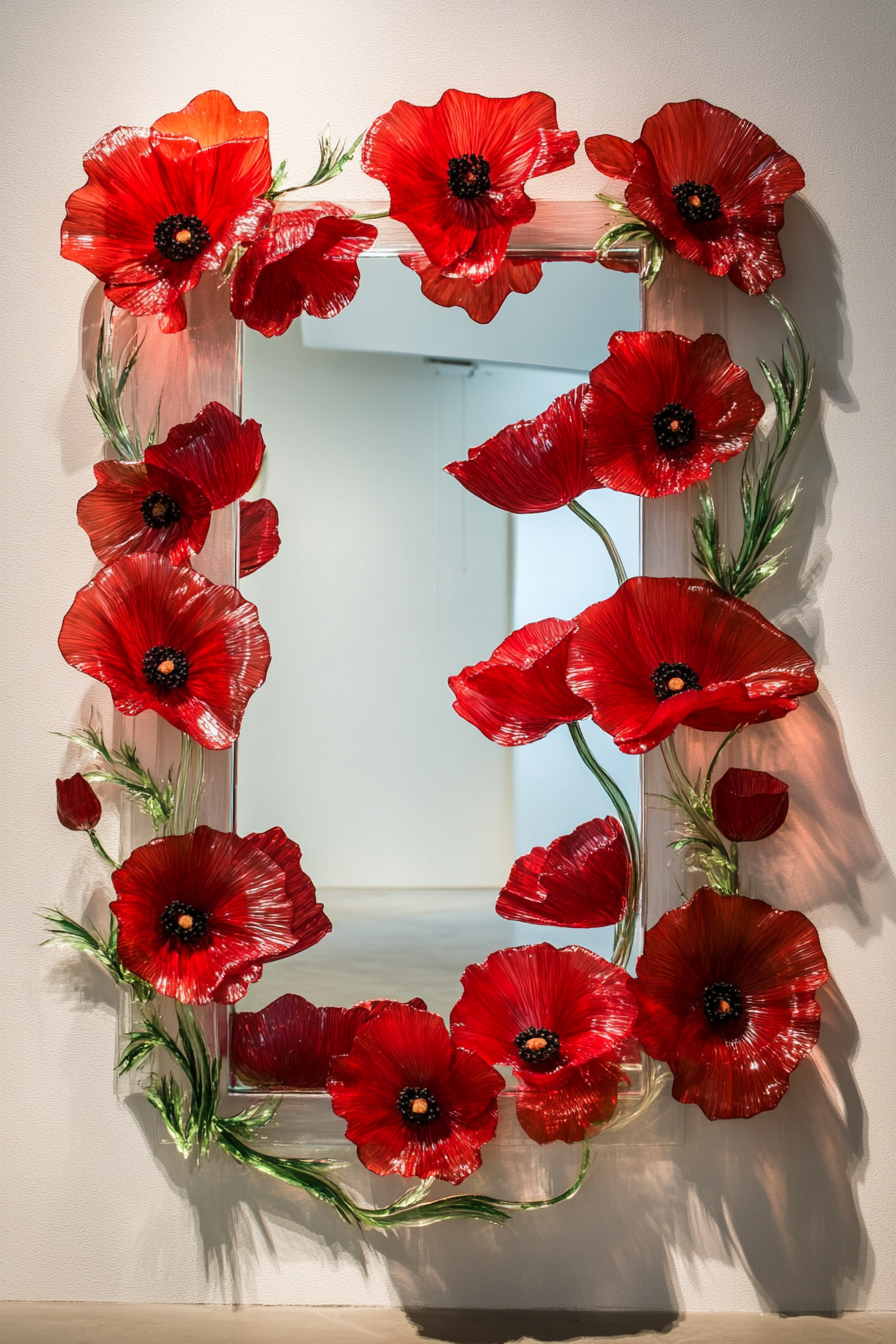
x=581 y=512
x=188 y=789
x=729 y=737
x=379 y=214
x=714 y=858
x=97 y=844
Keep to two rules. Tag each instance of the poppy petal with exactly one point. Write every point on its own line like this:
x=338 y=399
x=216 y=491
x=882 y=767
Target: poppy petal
x=217 y=451
x=482 y=301
x=581 y=881
x=138 y=507
x=566 y=1114
x=211 y=118
x=611 y=155
x=259 y=535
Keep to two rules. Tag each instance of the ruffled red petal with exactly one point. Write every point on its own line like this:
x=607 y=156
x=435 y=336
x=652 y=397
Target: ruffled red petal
x=217 y=451
x=211 y=118
x=111 y=514
x=749 y=804
x=580 y=881
x=481 y=301
x=309 y=923
x=77 y=806
x=259 y=535
x=566 y=1114
x=611 y=155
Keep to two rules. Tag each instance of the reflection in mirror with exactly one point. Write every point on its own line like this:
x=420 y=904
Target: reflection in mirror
x=391 y=578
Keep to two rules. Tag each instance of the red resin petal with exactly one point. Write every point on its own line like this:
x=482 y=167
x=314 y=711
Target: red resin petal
x=289 y=1044
x=749 y=804
x=111 y=513
x=566 y=1114
x=481 y=302
x=259 y=535
x=580 y=881
x=211 y=118
x=310 y=924
x=217 y=451
x=77 y=806
x=611 y=156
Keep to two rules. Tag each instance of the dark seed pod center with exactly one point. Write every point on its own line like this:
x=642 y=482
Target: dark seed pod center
x=673 y=678
x=165 y=667
x=160 y=510
x=183 y=921
x=674 y=426
x=469 y=176
x=697 y=202
x=417 y=1105
x=536 y=1044
x=722 y=1003
x=181 y=237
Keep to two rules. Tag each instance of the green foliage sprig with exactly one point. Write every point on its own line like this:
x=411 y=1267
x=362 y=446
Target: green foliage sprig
x=156 y=800
x=635 y=232
x=109 y=382
x=334 y=156
x=704 y=846
x=67 y=932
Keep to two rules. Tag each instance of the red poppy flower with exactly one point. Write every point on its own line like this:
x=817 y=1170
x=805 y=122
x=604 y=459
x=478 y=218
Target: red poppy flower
x=662 y=410
x=138 y=507
x=534 y=465
x=290 y=1044
x=544 y=1011
x=415 y=1104
x=158 y=210
x=749 y=804
x=306 y=262
x=711 y=184
x=162 y=637
x=726 y=995
x=217 y=451
x=456 y=172
x=661 y=652
x=211 y=118
x=480 y=301
x=77 y=806
x=587 y=1098
x=520 y=693
x=259 y=537
x=198 y=914
x=580 y=881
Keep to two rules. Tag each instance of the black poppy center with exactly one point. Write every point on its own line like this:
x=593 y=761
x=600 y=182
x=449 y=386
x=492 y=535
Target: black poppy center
x=183 y=921
x=697 y=202
x=673 y=678
x=417 y=1105
x=181 y=237
x=160 y=510
x=536 y=1044
x=165 y=667
x=722 y=1003
x=469 y=176
x=674 y=426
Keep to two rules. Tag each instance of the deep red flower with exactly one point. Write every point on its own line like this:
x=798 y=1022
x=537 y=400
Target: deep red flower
x=162 y=637
x=661 y=652
x=520 y=693
x=533 y=465
x=726 y=995
x=77 y=806
x=159 y=209
x=259 y=537
x=481 y=301
x=217 y=451
x=199 y=914
x=711 y=184
x=309 y=923
x=305 y=262
x=586 y=1098
x=211 y=118
x=138 y=507
x=580 y=881
x=544 y=1011
x=662 y=410
x=456 y=172
x=749 y=804
x=415 y=1104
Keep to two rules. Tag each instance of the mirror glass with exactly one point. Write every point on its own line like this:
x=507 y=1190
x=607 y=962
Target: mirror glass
x=390 y=578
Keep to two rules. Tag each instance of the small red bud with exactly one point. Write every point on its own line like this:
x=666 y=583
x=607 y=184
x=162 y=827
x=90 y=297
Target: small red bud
x=77 y=806
x=749 y=804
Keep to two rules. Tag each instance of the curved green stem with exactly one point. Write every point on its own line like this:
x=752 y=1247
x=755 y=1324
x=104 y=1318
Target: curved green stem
x=377 y=214
x=581 y=512
x=188 y=788
x=97 y=844
x=708 y=851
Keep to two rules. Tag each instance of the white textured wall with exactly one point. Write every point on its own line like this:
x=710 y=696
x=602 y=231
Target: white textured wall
x=790 y=1210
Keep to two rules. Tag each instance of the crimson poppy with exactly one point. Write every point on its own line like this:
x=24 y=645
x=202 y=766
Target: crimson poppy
x=711 y=184
x=565 y=1114
x=162 y=637
x=217 y=451
x=259 y=537
x=305 y=262
x=77 y=806
x=580 y=881
x=456 y=172
x=198 y=914
x=480 y=301
x=135 y=506
x=726 y=995
x=520 y=693
x=749 y=804
x=544 y=1011
x=661 y=652
x=212 y=118
x=415 y=1104
x=533 y=465
x=662 y=410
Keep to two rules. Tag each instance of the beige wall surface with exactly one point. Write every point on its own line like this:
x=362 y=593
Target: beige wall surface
x=792 y=1210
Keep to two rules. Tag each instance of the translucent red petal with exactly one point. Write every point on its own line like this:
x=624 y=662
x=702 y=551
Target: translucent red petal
x=749 y=804
x=481 y=301
x=566 y=1114
x=611 y=155
x=309 y=923
x=211 y=118
x=580 y=881
x=217 y=451
x=112 y=513
x=259 y=534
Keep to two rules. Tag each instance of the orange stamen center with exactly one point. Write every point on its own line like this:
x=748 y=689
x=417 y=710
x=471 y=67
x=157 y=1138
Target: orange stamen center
x=695 y=201
x=183 y=236
x=536 y=1043
x=675 y=683
x=185 y=921
x=166 y=666
x=419 y=1105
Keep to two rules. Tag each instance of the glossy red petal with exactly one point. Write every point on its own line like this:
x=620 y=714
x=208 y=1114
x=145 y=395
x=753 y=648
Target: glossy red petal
x=259 y=535
x=566 y=1114
x=217 y=451
x=112 y=514
x=143 y=602
x=749 y=804
x=309 y=924
x=611 y=155
x=481 y=302
x=77 y=806
x=581 y=881
x=289 y=1044
x=211 y=118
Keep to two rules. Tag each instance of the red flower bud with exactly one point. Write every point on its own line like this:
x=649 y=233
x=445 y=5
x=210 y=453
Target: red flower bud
x=749 y=804
x=77 y=806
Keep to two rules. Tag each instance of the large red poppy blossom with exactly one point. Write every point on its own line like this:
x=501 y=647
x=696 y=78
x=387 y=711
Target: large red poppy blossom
x=726 y=995
x=77 y=805
x=661 y=652
x=290 y=1044
x=305 y=262
x=711 y=184
x=416 y=1105
x=259 y=535
x=135 y=506
x=217 y=451
x=198 y=914
x=211 y=118
x=544 y=1011
x=662 y=410
x=520 y=694
x=162 y=637
x=480 y=301
x=533 y=465
x=158 y=210
x=580 y=881
x=456 y=172
x=565 y=1114
x=749 y=804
